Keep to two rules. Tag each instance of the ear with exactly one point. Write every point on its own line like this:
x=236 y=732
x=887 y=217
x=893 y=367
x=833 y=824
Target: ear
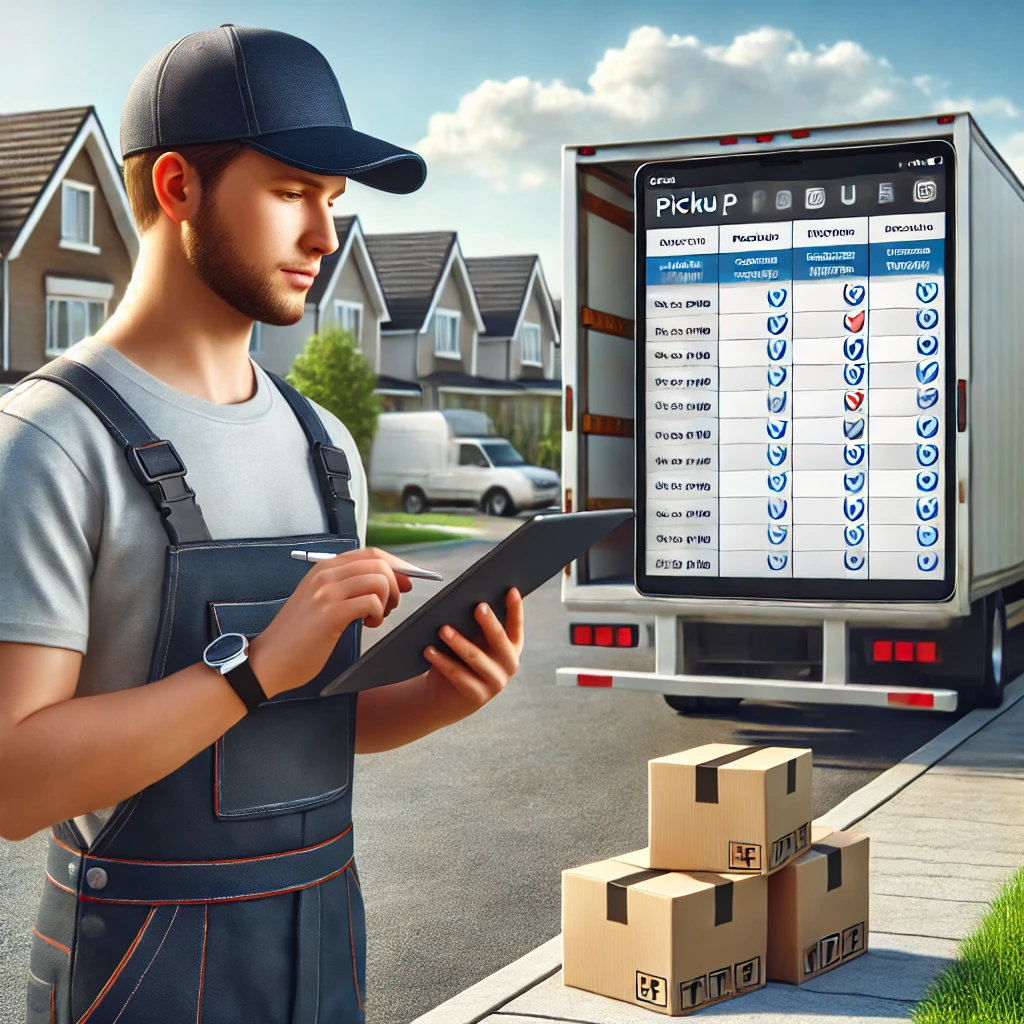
x=176 y=186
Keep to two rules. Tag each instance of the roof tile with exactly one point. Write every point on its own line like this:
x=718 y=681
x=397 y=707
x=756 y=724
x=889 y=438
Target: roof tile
x=409 y=268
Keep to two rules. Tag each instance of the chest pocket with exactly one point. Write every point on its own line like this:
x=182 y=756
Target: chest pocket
x=294 y=752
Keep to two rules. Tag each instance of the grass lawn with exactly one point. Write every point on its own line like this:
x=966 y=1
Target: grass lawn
x=391 y=529
x=985 y=984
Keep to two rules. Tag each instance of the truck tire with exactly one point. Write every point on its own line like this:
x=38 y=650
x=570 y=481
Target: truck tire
x=994 y=679
x=689 y=705
x=414 y=501
x=498 y=503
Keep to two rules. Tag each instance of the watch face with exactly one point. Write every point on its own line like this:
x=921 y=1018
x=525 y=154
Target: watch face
x=224 y=648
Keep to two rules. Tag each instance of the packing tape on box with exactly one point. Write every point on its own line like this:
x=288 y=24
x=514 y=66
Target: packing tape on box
x=617 y=898
x=835 y=864
x=707 y=774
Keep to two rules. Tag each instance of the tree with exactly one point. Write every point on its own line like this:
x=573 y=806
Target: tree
x=332 y=372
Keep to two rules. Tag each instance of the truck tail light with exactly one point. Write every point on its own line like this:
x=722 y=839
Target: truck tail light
x=604 y=635
x=922 y=652
x=585 y=679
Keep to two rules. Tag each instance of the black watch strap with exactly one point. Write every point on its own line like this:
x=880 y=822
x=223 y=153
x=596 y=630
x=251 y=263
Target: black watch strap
x=244 y=682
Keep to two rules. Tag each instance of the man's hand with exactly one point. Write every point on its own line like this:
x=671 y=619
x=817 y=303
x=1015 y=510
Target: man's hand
x=479 y=670
x=363 y=584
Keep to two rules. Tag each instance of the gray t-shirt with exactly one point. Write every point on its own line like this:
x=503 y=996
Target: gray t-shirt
x=81 y=543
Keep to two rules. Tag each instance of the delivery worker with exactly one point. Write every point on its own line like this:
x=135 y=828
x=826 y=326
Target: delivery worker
x=152 y=485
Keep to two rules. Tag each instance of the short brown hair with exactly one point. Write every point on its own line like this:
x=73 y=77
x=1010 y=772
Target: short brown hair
x=210 y=159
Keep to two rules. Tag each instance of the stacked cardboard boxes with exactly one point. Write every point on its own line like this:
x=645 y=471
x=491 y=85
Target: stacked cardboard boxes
x=729 y=894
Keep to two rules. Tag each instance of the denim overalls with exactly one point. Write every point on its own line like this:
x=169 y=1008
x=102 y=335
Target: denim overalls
x=227 y=891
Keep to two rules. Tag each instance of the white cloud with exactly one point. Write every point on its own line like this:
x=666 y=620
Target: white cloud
x=502 y=144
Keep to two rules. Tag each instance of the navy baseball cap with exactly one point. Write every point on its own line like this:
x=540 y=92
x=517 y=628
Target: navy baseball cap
x=271 y=90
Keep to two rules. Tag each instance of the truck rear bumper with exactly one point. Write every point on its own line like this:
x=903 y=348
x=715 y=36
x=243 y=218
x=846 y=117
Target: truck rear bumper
x=791 y=690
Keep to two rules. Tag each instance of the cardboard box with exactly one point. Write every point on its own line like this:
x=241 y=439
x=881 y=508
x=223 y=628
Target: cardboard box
x=818 y=908
x=725 y=807
x=669 y=941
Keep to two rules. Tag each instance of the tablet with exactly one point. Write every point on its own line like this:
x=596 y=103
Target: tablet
x=525 y=559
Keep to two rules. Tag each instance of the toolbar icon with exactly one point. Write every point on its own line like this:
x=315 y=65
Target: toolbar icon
x=783 y=199
x=886 y=192
x=814 y=198
x=758 y=200
x=848 y=195
x=925 y=190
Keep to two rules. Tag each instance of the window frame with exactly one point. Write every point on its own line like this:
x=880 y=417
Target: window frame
x=522 y=344
x=343 y=305
x=455 y=317
x=51 y=327
x=67 y=186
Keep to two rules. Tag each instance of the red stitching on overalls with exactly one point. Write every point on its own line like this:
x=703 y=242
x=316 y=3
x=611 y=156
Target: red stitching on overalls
x=63 y=888
x=202 y=964
x=120 y=967
x=152 y=961
x=352 y=947
x=52 y=942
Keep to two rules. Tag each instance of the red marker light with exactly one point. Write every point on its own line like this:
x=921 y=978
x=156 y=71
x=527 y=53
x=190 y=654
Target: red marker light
x=882 y=650
x=587 y=150
x=590 y=680
x=904 y=650
x=603 y=636
x=928 y=652
x=801 y=133
x=912 y=700
x=582 y=636
x=763 y=138
x=729 y=140
x=946 y=119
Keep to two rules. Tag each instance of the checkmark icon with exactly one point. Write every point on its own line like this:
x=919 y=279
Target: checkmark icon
x=927 y=397
x=777 y=324
x=853 y=509
x=927 y=291
x=776 y=349
x=927 y=480
x=777 y=429
x=777 y=482
x=777 y=454
x=777 y=561
x=927 y=426
x=777 y=534
x=927 y=319
x=854 y=400
x=927 y=454
x=927 y=561
x=777 y=402
x=928 y=345
x=853 y=482
x=853 y=429
x=853 y=454
x=927 y=371
x=777 y=508
x=854 y=321
x=854 y=536
x=777 y=297
x=776 y=375
x=853 y=349
x=853 y=295
x=927 y=535
x=853 y=374
x=853 y=561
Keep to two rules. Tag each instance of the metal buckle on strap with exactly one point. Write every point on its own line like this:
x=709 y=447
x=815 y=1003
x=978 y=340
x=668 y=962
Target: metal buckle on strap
x=159 y=468
x=333 y=466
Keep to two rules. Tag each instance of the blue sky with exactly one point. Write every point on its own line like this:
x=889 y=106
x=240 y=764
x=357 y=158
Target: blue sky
x=489 y=91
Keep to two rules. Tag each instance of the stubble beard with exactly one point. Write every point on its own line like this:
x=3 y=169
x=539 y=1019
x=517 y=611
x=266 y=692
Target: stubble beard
x=224 y=269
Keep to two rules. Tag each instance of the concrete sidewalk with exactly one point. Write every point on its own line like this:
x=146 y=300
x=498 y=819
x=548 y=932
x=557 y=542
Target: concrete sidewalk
x=947 y=829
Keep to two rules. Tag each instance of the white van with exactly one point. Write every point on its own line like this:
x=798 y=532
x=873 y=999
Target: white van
x=453 y=457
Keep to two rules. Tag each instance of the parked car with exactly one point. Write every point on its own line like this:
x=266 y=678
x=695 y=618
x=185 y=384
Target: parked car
x=452 y=457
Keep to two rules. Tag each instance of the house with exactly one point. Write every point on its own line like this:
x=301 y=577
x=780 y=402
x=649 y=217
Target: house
x=346 y=292
x=67 y=237
x=429 y=349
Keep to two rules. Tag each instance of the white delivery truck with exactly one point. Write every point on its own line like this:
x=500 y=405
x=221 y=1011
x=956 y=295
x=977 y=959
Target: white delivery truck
x=825 y=330
x=453 y=457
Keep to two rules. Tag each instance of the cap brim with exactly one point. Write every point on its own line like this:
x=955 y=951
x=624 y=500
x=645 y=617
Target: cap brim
x=334 y=150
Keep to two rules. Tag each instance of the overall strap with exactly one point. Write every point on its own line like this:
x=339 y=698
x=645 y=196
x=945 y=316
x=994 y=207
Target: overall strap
x=154 y=462
x=329 y=463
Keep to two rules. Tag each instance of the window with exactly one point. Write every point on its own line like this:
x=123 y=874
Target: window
x=76 y=216
x=470 y=455
x=349 y=317
x=68 y=321
x=446 y=333
x=531 y=344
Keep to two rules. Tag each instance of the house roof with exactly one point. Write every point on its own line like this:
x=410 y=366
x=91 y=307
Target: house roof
x=500 y=283
x=343 y=225
x=409 y=267
x=31 y=147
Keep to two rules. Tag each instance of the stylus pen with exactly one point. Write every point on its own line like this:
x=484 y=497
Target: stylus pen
x=410 y=570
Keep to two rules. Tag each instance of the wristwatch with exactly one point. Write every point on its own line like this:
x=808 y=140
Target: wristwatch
x=229 y=655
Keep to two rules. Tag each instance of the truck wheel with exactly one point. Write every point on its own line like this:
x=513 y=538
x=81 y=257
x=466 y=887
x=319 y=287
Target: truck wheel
x=498 y=503
x=414 y=501
x=991 y=693
x=689 y=705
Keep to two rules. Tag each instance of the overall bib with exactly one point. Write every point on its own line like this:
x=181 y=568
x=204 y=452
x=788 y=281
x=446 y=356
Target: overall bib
x=227 y=891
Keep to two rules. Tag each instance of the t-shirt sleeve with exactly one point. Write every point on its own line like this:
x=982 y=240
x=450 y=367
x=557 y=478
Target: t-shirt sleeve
x=49 y=527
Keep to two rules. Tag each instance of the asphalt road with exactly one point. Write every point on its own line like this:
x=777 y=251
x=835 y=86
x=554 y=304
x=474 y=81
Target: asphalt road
x=461 y=836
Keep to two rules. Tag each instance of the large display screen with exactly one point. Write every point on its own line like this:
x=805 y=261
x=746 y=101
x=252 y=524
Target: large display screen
x=795 y=375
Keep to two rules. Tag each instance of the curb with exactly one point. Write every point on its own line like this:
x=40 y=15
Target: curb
x=491 y=993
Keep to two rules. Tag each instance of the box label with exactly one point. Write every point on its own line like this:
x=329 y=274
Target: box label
x=789 y=846
x=830 y=949
x=651 y=989
x=854 y=940
x=693 y=992
x=744 y=856
x=748 y=973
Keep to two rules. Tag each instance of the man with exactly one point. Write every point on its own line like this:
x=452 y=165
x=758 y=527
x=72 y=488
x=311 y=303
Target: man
x=154 y=483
